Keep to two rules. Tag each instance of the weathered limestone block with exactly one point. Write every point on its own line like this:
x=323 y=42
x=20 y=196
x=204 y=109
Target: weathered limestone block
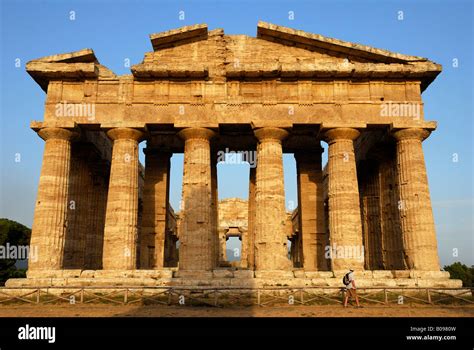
x=401 y=273
x=429 y=274
x=193 y=274
x=437 y=283
x=416 y=215
x=49 y=224
x=121 y=221
x=406 y=282
x=53 y=273
x=299 y=273
x=311 y=209
x=319 y=274
x=378 y=274
x=244 y=274
x=222 y=273
x=345 y=227
x=275 y=274
x=196 y=248
x=382 y=282
x=320 y=282
x=87 y=274
x=271 y=251
x=155 y=207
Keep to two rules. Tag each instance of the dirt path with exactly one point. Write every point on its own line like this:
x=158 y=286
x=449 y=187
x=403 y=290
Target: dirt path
x=183 y=311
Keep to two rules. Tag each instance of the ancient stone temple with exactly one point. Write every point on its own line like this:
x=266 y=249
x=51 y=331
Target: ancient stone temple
x=103 y=217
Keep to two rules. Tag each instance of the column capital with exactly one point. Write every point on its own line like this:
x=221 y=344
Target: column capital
x=196 y=133
x=411 y=134
x=125 y=134
x=58 y=133
x=340 y=134
x=270 y=134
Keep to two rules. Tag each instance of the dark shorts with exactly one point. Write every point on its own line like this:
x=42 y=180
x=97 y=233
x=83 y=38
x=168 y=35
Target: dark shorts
x=351 y=292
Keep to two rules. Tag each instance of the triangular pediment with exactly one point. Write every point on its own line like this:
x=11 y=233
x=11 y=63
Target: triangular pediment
x=333 y=47
x=194 y=52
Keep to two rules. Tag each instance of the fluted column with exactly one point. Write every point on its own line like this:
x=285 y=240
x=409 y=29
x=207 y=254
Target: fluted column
x=311 y=209
x=121 y=219
x=416 y=215
x=215 y=208
x=155 y=207
x=196 y=248
x=50 y=224
x=80 y=204
x=345 y=227
x=271 y=250
x=251 y=220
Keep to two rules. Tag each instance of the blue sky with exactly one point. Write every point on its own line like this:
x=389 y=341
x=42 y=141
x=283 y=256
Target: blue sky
x=118 y=30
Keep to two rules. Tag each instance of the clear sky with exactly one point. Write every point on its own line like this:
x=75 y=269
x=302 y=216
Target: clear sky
x=118 y=30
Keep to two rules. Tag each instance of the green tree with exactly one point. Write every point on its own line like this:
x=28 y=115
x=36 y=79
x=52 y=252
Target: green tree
x=461 y=272
x=15 y=234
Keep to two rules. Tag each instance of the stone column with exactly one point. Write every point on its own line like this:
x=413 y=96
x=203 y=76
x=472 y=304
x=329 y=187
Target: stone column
x=392 y=241
x=416 y=215
x=121 y=219
x=195 y=252
x=95 y=236
x=155 y=207
x=271 y=248
x=50 y=225
x=251 y=221
x=345 y=227
x=215 y=208
x=311 y=209
x=244 y=238
x=222 y=246
x=78 y=208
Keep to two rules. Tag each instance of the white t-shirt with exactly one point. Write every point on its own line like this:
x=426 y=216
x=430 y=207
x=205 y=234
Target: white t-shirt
x=351 y=278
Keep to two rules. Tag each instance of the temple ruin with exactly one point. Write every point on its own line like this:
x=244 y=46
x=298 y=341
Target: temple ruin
x=101 y=217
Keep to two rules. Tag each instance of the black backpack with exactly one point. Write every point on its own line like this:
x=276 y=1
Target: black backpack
x=345 y=279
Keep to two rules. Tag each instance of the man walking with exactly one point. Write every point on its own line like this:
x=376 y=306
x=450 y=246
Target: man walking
x=351 y=290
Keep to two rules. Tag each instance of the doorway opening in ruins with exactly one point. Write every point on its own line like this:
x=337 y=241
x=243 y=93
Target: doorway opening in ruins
x=234 y=250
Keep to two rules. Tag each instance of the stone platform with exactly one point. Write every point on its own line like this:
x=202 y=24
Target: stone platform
x=231 y=278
